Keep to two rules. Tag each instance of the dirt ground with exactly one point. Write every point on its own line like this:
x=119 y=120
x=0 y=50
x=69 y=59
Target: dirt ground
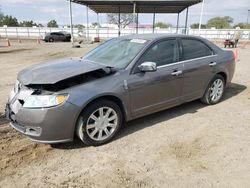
x=192 y=145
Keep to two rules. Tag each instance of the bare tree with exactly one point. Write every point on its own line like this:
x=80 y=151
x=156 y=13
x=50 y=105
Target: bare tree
x=125 y=19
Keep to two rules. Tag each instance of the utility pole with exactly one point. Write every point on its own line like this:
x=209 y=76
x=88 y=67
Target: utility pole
x=119 y=22
x=248 y=16
x=177 y=25
x=71 y=23
x=202 y=7
x=87 y=17
x=134 y=16
x=186 y=31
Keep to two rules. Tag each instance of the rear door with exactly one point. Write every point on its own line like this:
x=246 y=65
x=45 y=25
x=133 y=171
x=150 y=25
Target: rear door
x=56 y=36
x=153 y=91
x=199 y=65
x=62 y=37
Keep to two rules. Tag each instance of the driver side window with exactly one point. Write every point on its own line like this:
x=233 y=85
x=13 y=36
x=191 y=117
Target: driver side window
x=162 y=53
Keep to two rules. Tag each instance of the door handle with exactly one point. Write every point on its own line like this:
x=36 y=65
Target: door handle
x=176 y=73
x=212 y=64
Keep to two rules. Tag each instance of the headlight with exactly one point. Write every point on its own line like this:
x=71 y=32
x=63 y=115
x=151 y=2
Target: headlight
x=44 y=101
x=17 y=86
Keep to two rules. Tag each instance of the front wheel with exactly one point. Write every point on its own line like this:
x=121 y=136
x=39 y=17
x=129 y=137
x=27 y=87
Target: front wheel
x=215 y=91
x=99 y=122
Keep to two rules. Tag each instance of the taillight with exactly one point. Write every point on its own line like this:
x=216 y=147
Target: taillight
x=235 y=55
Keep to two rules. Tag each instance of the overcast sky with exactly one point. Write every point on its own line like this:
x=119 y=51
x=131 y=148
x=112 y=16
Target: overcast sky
x=42 y=11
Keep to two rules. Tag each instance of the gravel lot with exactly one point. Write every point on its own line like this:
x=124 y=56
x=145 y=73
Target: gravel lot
x=192 y=145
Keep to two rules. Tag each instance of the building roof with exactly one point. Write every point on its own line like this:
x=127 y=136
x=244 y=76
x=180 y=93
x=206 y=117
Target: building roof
x=142 y=6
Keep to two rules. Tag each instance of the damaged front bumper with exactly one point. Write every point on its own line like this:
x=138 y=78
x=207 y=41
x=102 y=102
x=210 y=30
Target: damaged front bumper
x=45 y=125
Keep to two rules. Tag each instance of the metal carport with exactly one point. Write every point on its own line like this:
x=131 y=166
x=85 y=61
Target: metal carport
x=136 y=7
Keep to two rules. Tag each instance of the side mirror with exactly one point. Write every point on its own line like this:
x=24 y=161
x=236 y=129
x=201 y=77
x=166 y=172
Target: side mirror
x=147 y=67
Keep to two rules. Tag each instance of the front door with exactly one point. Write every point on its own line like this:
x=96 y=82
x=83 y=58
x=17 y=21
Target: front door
x=154 y=91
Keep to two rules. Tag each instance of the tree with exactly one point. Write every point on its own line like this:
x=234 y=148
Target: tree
x=220 y=22
x=242 y=26
x=1 y=14
x=9 y=21
x=40 y=25
x=196 y=26
x=1 y=18
x=52 y=23
x=125 y=19
x=163 y=25
x=27 y=24
x=95 y=25
x=79 y=26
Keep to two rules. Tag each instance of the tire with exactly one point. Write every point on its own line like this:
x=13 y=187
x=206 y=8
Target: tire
x=51 y=40
x=90 y=123
x=208 y=97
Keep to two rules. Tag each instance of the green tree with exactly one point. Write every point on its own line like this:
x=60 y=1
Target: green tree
x=1 y=14
x=163 y=25
x=196 y=26
x=220 y=22
x=79 y=26
x=27 y=23
x=9 y=21
x=40 y=25
x=125 y=19
x=242 y=26
x=52 y=23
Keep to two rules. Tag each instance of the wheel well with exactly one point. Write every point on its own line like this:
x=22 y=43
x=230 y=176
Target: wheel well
x=113 y=99
x=223 y=75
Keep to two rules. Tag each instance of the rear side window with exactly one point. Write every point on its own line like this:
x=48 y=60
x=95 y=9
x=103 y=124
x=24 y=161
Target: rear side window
x=194 y=49
x=162 y=53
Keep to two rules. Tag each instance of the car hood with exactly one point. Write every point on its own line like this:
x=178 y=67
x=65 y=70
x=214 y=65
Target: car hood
x=55 y=71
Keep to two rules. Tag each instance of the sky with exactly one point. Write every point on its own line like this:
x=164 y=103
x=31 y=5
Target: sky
x=41 y=11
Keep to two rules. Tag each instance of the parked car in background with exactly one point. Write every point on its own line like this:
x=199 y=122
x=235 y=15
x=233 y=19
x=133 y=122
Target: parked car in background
x=57 y=37
x=121 y=80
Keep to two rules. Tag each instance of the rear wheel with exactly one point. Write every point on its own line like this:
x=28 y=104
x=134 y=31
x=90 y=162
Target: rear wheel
x=51 y=40
x=215 y=90
x=99 y=123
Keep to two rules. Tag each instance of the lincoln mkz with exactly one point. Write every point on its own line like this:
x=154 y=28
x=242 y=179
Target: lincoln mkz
x=123 y=79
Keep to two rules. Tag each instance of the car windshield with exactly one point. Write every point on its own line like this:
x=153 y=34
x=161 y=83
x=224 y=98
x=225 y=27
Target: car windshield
x=117 y=53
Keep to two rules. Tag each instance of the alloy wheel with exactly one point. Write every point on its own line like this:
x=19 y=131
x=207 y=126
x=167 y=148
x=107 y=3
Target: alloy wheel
x=216 y=90
x=102 y=123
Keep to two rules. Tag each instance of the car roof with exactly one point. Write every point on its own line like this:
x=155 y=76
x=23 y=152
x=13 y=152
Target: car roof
x=157 y=36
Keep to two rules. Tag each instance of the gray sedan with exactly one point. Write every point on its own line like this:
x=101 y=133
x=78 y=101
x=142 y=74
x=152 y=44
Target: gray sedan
x=123 y=79
x=57 y=36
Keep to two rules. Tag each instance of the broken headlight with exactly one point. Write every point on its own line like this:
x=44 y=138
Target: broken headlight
x=44 y=101
x=17 y=86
